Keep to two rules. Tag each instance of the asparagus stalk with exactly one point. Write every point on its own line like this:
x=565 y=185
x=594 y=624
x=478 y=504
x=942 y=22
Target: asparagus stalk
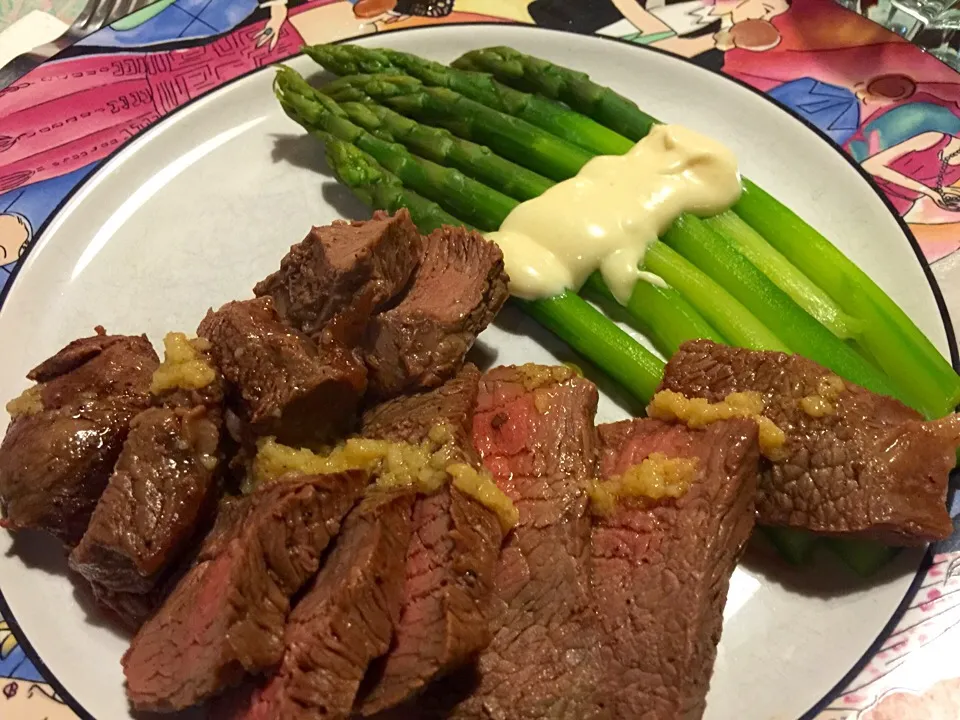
x=864 y=556
x=443 y=147
x=439 y=105
x=747 y=285
x=683 y=321
x=378 y=188
x=506 y=135
x=574 y=320
x=775 y=266
x=600 y=340
x=478 y=204
x=886 y=332
x=348 y=60
x=727 y=314
x=481 y=87
x=719 y=259
x=571 y=87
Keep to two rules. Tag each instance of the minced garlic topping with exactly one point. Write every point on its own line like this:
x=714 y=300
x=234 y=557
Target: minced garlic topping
x=829 y=388
x=480 y=486
x=28 y=403
x=657 y=477
x=535 y=376
x=698 y=413
x=183 y=366
x=425 y=466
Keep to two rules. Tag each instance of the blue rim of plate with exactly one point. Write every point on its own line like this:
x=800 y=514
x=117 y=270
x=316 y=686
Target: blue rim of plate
x=926 y=561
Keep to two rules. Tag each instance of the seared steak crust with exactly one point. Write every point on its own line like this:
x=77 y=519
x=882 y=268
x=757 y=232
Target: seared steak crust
x=455 y=293
x=534 y=430
x=333 y=266
x=54 y=463
x=660 y=569
x=870 y=467
x=226 y=617
x=289 y=386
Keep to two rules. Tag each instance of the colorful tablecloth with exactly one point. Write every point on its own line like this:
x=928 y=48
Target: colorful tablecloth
x=893 y=108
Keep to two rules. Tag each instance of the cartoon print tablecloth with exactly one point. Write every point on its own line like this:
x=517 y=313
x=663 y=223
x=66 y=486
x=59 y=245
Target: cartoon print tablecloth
x=894 y=109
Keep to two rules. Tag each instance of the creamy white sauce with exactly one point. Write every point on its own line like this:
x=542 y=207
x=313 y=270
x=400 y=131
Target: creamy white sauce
x=605 y=217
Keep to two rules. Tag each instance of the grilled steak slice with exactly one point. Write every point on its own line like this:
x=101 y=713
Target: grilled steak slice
x=869 y=466
x=450 y=559
x=226 y=617
x=289 y=387
x=534 y=429
x=160 y=491
x=347 y=618
x=411 y=418
x=158 y=500
x=133 y=609
x=660 y=568
x=67 y=431
x=458 y=289
x=333 y=266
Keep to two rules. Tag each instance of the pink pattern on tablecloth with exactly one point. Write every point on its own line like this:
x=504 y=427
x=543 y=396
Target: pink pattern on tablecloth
x=930 y=624
x=95 y=103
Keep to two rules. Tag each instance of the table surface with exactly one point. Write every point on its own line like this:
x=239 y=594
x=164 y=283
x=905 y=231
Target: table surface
x=866 y=88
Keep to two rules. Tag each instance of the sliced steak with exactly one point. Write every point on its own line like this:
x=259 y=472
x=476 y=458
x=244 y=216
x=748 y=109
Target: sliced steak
x=866 y=465
x=534 y=430
x=288 y=386
x=333 y=266
x=226 y=617
x=451 y=557
x=160 y=497
x=66 y=433
x=660 y=568
x=162 y=488
x=456 y=291
x=347 y=618
x=410 y=418
x=133 y=609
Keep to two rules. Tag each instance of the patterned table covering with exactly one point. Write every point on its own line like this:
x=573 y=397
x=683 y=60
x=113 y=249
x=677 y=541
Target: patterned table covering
x=893 y=108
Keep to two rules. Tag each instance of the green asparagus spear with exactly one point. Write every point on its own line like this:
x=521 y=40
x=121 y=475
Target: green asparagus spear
x=443 y=147
x=478 y=204
x=798 y=286
x=506 y=135
x=864 y=556
x=571 y=87
x=720 y=308
x=719 y=259
x=484 y=208
x=738 y=326
x=886 y=333
x=574 y=320
x=378 y=188
x=430 y=106
x=600 y=340
x=481 y=87
x=660 y=313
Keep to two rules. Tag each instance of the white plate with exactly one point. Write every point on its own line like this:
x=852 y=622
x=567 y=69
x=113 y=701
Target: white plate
x=205 y=203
